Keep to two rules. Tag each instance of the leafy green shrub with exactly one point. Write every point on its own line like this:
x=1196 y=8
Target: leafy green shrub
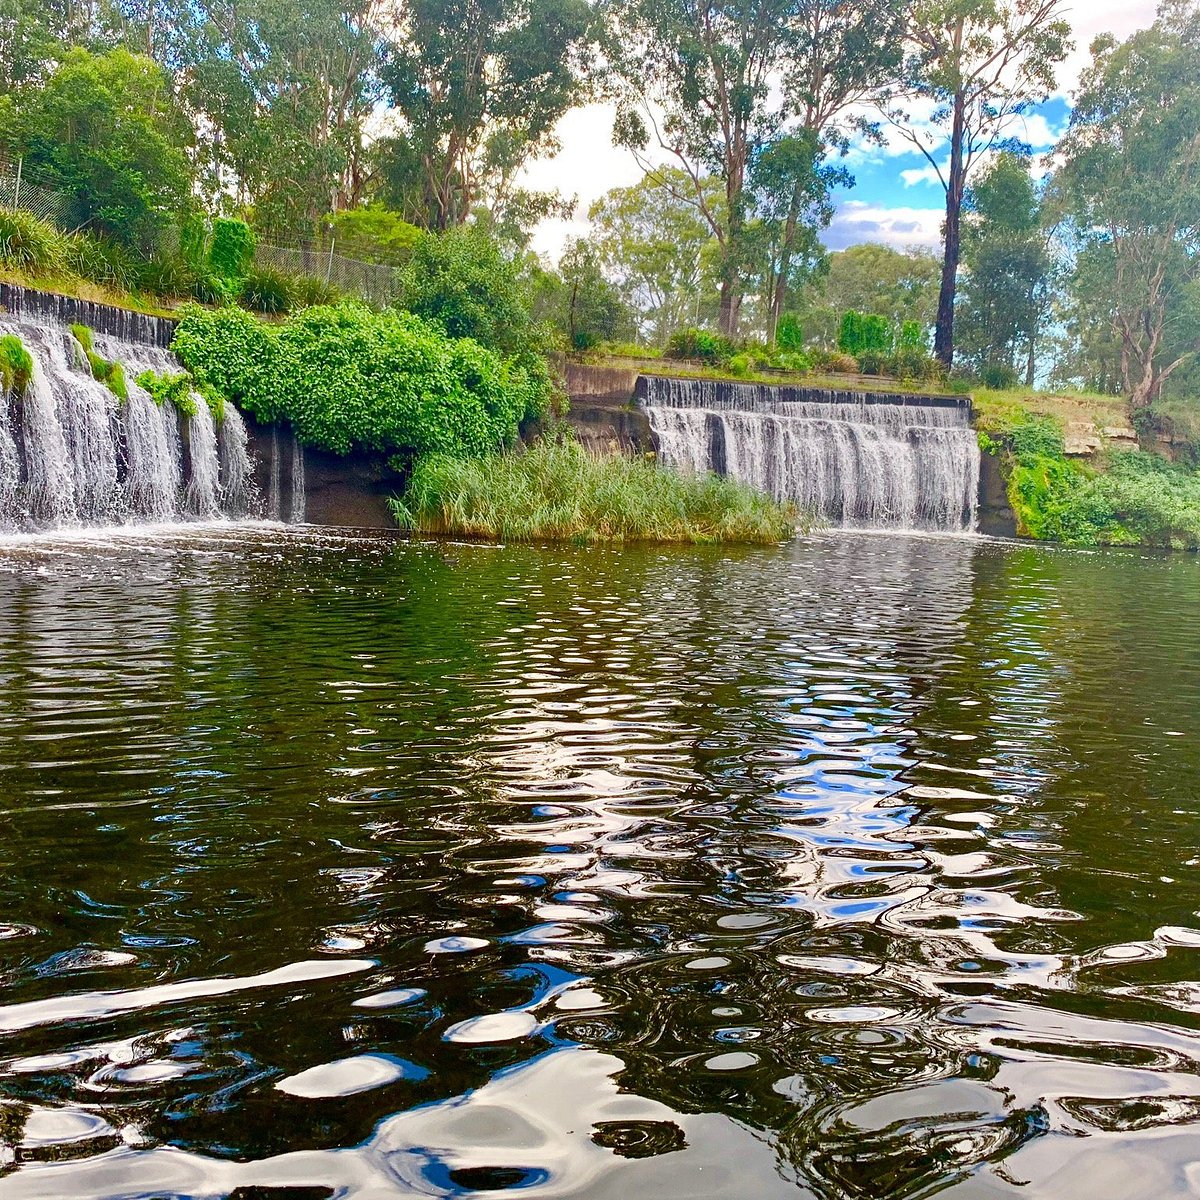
x=863 y=332
x=741 y=365
x=999 y=377
x=16 y=364
x=173 y=389
x=266 y=291
x=111 y=374
x=911 y=336
x=700 y=346
x=794 y=360
x=461 y=280
x=231 y=248
x=555 y=490
x=346 y=376
x=789 y=334
x=27 y=244
x=374 y=234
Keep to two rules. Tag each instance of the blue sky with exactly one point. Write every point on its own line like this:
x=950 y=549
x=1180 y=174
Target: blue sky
x=894 y=200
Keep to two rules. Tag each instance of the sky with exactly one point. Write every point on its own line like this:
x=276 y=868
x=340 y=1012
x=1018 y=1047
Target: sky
x=895 y=198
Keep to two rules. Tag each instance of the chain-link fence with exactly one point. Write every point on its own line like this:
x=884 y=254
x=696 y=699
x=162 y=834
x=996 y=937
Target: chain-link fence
x=374 y=282
x=19 y=191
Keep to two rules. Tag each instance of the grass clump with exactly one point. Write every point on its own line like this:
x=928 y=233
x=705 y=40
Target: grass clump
x=28 y=244
x=16 y=364
x=111 y=374
x=556 y=491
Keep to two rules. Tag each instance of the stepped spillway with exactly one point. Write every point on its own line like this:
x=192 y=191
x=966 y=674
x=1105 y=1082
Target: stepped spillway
x=854 y=459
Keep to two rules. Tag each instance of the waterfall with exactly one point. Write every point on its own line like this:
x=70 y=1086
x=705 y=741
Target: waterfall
x=296 y=515
x=850 y=458
x=73 y=454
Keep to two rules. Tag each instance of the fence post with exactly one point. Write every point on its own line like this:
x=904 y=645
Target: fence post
x=17 y=186
x=329 y=264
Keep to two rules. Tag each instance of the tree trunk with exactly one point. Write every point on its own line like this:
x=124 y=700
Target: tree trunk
x=785 y=265
x=1029 y=361
x=943 y=342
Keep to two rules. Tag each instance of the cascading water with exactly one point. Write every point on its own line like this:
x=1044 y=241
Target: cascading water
x=73 y=454
x=850 y=458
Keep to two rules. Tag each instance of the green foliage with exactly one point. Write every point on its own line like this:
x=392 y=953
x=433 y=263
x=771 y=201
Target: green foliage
x=176 y=389
x=461 y=280
x=105 y=130
x=865 y=333
x=308 y=290
x=16 y=364
x=912 y=336
x=374 y=234
x=266 y=291
x=347 y=377
x=835 y=361
x=101 y=261
x=111 y=374
x=28 y=244
x=789 y=334
x=581 y=306
x=700 y=346
x=999 y=377
x=231 y=248
x=168 y=276
x=555 y=490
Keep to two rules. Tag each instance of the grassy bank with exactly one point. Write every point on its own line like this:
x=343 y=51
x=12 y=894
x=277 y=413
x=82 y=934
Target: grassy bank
x=1122 y=498
x=556 y=491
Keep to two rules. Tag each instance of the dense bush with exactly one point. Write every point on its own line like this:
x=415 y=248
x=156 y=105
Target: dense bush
x=374 y=234
x=865 y=333
x=999 y=377
x=101 y=261
x=345 y=376
x=789 y=335
x=1135 y=498
x=27 y=244
x=231 y=246
x=307 y=290
x=700 y=346
x=461 y=280
x=557 y=491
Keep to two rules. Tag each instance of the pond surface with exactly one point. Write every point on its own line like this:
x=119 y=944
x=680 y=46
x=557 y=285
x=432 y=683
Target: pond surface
x=862 y=868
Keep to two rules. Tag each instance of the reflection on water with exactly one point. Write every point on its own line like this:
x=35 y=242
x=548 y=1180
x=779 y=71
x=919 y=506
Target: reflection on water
x=860 y=868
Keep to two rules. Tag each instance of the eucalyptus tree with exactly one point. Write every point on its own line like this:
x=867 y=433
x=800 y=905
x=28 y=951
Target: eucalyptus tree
x=972 y=67
x=478 y=87
x=657 y=249
x=281 y=92
x=1005 y=296
x=712 y=83
x=1131 y=179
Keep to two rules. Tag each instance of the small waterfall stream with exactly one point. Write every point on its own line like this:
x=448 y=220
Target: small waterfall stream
x=73 y=455
x=851 y=458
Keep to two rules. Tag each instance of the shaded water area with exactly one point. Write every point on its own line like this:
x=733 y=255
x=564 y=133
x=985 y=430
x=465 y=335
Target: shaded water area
x=862 y=867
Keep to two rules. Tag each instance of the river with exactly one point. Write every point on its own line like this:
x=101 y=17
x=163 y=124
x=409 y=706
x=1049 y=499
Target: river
x=865 y=867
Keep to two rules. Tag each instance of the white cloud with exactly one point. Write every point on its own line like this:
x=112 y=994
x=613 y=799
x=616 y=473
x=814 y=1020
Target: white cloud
x=915 y=175
x=857 y=221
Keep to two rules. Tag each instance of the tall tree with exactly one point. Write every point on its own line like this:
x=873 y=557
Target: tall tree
x=1005 y=296
x=1132 y=180
x=973 y=65
x=656 y=248
x=105 y=130
x=479 y=86
x=706 y=80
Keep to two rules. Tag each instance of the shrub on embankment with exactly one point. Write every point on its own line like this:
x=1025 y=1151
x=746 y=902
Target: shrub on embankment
x=556 y=491
x=347 y=377
x=1129 y=498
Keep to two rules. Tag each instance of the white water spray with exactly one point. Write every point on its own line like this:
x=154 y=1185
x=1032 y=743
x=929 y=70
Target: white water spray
x=850 y=458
